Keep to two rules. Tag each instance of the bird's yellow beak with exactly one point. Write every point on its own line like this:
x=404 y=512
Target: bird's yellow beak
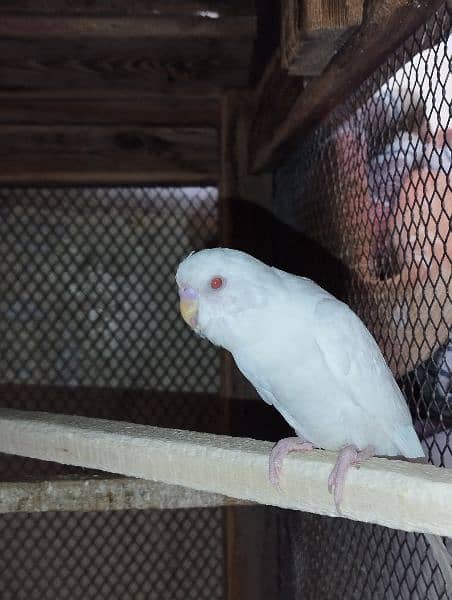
x=189 y=306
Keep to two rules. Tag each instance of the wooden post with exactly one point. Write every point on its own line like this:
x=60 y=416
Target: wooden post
x=313 y=31
x=236 y=185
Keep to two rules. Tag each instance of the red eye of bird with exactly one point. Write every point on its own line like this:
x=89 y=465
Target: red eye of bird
x=216 y=283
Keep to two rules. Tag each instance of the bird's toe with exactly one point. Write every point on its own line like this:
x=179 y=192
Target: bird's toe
x=332 y=480
x=274 y=471
x=280 y=451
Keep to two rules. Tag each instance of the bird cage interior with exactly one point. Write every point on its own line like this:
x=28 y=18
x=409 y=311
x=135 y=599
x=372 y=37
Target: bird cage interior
x=90 y=329
x=373 y=186
x=135 y=134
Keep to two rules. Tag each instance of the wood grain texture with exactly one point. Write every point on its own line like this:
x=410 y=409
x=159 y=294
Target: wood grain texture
x=37 y=154
x=209 y=8
x=401 y=495
x=386 y=24
x=101 y=494
x=152 y=110
x=312 y=31
x=117 y=29
x=191 y=66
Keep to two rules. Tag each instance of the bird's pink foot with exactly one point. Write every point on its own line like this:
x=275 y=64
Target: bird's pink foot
x=280 y=451
x=349 y=456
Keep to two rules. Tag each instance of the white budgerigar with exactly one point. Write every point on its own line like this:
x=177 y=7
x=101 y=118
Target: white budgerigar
x=305 y=352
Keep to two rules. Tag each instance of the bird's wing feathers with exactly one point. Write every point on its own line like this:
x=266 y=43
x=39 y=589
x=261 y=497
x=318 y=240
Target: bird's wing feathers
x=261 y=388
x=342 y=338
x=352 y=354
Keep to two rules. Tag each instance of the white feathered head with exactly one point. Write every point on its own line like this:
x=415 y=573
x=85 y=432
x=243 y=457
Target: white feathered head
x=219 y=285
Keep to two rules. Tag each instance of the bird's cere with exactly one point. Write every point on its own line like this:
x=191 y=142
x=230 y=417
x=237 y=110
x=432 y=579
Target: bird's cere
x=188 y=305
x=188 y=293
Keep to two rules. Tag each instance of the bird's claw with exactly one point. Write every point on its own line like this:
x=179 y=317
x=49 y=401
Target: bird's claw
x=274 y=473
x=336 y=487
x=347 y=457
x=279 y=452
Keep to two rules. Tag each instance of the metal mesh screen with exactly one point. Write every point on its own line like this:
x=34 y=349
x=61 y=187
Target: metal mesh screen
x=373 y=185
x=89 y=325
x=157 y=555
x=87 y=287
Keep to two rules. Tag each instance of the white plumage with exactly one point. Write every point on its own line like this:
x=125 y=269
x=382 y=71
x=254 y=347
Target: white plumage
x=304 y=351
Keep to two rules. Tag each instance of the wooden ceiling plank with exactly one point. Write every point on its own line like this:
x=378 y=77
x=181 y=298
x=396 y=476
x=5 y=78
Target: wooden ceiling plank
x=156 y=110
x=189 y=66
x=91 y=154
x=118 y=28
x=206 y=8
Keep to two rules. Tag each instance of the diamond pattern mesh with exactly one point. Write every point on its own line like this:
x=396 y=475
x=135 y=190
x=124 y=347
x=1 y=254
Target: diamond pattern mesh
x=89 y=325
x=87 y=287
x=373 y=186
x=157 y=555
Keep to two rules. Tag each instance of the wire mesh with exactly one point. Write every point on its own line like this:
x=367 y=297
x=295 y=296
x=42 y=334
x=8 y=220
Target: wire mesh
x=89 y=325
x=373 y=185
x=87 y=287
x=125 y=554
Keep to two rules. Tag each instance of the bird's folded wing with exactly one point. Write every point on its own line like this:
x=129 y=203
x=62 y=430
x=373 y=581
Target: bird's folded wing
x=261 y=388
x=354 y=358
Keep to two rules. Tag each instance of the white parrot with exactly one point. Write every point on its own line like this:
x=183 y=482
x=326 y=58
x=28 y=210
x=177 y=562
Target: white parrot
x=305 y=352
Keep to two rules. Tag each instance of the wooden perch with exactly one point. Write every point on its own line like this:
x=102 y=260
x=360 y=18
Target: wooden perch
x=402 y=495
x=100 y=493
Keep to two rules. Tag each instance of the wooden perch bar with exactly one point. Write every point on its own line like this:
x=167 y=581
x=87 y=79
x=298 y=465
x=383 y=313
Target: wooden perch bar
x=97 y=493
x=396 y=494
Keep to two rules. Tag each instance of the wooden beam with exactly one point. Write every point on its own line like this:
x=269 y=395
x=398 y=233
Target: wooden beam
x=401 y=495
x=312 y=32
x=386 y=24
x=116 y=29
x=232 y=379
x=156 y=46
x=39 y=154
x=101 y=493
x=257 y=189
x=154 y=110
x=209 y=9
x=236 y=185
x=273 y=99
x=138 y=65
